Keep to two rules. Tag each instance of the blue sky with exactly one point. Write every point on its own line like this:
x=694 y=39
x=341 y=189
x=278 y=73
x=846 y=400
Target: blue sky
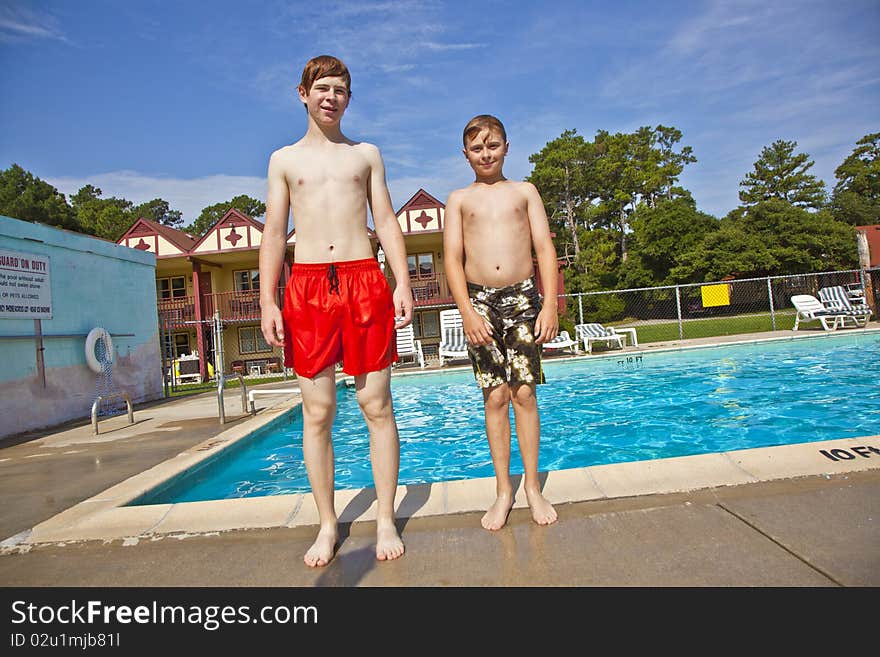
x=186 y=100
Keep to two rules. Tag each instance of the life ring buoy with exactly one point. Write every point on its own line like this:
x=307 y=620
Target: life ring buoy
x=92 y=338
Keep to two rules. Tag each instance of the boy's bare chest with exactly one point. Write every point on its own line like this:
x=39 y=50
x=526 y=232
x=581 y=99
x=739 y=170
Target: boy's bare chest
x=494 y=210
x=349 y=172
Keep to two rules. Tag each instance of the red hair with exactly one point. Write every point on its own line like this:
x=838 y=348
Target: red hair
x=323 y=66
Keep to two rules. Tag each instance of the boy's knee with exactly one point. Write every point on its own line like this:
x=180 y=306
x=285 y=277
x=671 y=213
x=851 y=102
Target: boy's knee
x=375 y=407
x=318 y=413
x=524 y=395
x=497 y=397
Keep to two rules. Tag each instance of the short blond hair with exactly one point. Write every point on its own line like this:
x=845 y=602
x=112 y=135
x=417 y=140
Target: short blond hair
x=482 y=122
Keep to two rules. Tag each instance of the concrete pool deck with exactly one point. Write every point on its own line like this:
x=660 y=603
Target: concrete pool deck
x=786 y=515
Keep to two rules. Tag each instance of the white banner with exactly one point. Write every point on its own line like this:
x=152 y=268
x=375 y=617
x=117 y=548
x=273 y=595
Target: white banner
x=25 y=292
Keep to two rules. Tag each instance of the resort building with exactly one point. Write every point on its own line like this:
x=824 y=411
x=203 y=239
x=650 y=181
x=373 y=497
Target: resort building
x=197 y=278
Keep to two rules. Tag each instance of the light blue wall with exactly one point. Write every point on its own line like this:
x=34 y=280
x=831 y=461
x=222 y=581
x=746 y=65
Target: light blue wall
x=94 y=283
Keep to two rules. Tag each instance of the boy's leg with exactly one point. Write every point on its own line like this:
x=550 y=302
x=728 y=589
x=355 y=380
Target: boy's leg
x=319 y=409
x=496 y=405
x=528 y=435
x=374 y=398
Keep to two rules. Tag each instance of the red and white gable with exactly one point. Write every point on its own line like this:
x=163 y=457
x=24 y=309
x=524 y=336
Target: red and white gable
x=164 y=241
x=421 y=214
x=234 y=232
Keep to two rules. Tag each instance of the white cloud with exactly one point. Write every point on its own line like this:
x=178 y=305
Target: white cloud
x=189 y=196
x=20 y=24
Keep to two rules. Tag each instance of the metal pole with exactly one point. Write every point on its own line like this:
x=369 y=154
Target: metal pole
x=38 y=337
x=678 y=310
x=581 y=307
x=772 y=309
x=218 y=367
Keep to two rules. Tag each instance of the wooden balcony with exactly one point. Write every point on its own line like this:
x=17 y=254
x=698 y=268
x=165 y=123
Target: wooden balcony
x=430 y=290
x=245 y=306
x=233 y=306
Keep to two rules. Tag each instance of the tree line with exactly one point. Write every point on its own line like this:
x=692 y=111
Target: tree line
x=621 y=218
x=27 y=197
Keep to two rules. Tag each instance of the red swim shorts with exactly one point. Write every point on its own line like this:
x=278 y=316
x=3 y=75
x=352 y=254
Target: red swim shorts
x=338 y=312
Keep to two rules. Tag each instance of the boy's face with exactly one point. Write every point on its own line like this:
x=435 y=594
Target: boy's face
x=327 y=100
x=485 y=152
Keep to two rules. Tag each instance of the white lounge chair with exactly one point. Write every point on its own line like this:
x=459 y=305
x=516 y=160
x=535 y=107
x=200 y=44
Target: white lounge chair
x=407 y=345
x=837 y=299
x=595 y=332
x=810 y=309
x=453 y=345
x=561 y=341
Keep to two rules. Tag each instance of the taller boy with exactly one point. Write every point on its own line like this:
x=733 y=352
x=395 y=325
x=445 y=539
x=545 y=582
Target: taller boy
x=491 y=228
x=337 y=305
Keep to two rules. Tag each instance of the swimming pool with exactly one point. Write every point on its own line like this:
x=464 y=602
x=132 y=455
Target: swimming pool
x=627 y=407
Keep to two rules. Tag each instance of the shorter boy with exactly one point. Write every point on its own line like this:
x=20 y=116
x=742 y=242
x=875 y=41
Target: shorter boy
x=491 y=228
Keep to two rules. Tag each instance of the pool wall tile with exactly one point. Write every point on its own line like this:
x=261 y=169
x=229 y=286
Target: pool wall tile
x=805 y=459
x=417 y=500
x=572 y=485
x=223 y=515
x=470 y=495
x=107 y=524
x=668 y=475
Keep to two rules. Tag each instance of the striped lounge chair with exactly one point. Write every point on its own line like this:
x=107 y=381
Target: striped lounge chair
x=594 y=332
x=453 y=345
x=836 y=298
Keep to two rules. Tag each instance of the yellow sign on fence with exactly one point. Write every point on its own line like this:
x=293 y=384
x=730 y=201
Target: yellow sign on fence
x=715 y=295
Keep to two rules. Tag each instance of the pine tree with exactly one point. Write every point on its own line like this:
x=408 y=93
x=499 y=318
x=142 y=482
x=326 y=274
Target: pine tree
x=780 y=173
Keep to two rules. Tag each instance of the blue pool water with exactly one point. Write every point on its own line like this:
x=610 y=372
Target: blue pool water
x=605 y=410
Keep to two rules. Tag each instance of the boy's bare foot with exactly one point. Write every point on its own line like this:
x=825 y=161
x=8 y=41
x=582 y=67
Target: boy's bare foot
x=496 y=517
x=322 y=549
x=543 y=512
x=388 y=543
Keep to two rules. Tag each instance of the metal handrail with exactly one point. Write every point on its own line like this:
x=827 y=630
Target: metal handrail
x=221 y=380
x=113 y=395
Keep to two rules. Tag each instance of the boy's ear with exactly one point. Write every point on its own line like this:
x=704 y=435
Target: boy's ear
x=303 y=94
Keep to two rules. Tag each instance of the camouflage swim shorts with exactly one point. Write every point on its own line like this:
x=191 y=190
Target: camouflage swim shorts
x=513 y=356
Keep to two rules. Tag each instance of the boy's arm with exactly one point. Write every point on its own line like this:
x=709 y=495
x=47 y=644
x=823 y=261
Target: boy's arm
x=476 y=329
x=547 y=324
x=272 y=248
x=390 y=236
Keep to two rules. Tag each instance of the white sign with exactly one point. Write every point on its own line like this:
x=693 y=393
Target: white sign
x=25 y=292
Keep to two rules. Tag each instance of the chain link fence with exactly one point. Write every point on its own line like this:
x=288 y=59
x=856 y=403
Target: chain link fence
x=700 y=310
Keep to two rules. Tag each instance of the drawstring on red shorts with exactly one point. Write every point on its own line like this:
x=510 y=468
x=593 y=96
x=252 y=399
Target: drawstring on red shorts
x=333 y=277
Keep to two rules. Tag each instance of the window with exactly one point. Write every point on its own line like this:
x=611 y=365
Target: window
x=171 y=288
x=426 y=324
x=421 y=265
x=250 y=340
x=176 y=344
x=246 y=280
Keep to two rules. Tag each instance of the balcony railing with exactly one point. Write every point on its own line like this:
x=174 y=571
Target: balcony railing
x=245 y=306
x=430 y=290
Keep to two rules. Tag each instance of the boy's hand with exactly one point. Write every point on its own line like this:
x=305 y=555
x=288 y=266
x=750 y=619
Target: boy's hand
x=477 y=328
x=272 y=325
x=547 y=325
x=403 y=306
